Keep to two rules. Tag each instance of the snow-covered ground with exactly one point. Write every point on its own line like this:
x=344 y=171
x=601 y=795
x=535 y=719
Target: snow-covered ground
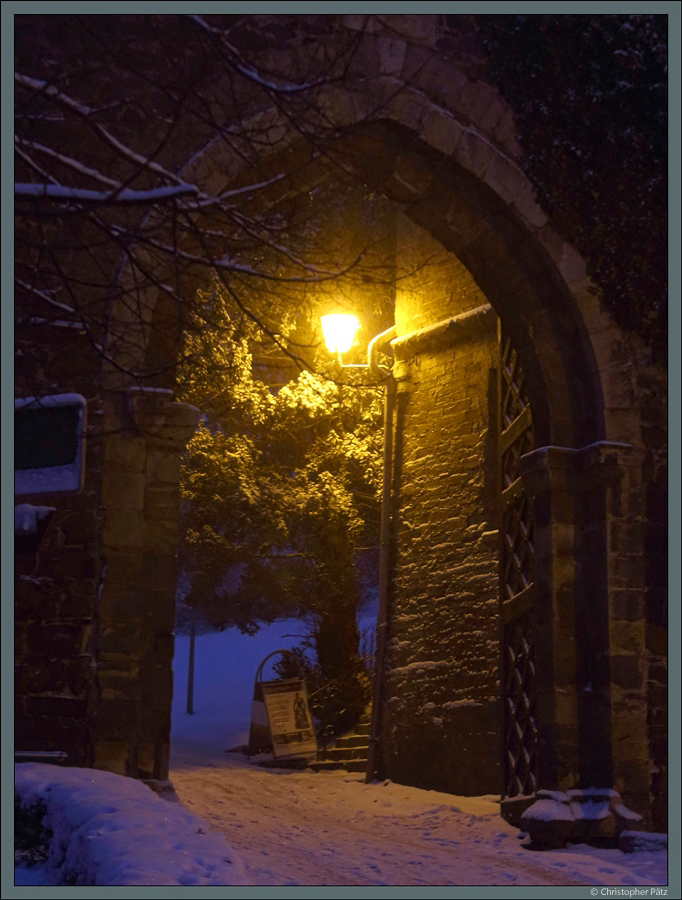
x=111 y=830
x=279 y=827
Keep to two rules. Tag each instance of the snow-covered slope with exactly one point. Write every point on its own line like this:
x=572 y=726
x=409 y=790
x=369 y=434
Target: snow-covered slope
x=289 y=828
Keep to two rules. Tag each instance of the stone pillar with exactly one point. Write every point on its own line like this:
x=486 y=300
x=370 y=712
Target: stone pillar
x=591 y=628
x=629 y=655
x=546 y=477
x=140 y=498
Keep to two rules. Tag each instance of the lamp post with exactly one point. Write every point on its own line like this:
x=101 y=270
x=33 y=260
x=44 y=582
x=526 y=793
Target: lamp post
x=339 y=331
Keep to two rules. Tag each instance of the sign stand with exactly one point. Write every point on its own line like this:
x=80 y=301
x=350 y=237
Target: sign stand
x=280 y=715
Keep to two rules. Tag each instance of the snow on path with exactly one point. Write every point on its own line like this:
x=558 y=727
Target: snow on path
x=303 y=828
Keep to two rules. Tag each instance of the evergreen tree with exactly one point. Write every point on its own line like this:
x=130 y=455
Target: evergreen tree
x=590 y=98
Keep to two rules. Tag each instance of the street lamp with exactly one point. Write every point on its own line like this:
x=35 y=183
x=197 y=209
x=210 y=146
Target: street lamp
x=339 y=330
x=336 y=329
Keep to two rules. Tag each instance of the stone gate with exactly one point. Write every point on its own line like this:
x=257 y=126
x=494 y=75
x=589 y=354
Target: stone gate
x=419 y=125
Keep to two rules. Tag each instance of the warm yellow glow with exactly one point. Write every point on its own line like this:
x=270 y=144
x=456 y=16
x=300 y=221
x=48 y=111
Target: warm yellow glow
x=339 y=330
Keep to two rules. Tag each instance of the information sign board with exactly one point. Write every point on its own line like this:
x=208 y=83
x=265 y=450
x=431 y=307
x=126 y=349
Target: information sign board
x=291 y=727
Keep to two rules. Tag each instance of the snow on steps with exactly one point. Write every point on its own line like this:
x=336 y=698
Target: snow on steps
x=349 y=752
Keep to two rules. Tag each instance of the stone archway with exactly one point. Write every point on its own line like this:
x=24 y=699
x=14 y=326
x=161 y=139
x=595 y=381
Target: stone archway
x=448 y=161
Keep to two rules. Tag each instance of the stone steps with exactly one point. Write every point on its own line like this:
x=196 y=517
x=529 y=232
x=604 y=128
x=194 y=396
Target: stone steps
x=348 y=752
x=342 y=753
x=330 y=765
x=352 y=740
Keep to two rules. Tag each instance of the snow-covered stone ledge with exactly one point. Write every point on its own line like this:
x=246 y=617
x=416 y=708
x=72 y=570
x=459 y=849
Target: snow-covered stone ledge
x=105 y=829
x=586 y=815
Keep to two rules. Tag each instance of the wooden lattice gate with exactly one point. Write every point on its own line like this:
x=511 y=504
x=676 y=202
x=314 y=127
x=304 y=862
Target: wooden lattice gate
x=517 y=620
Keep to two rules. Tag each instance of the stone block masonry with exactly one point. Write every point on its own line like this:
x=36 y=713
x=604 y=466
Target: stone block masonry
x=442 y=718
x=140 y=496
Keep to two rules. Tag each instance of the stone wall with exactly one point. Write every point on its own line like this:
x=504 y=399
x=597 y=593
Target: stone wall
x=442 y=714
x=653 y=391
x=600 y=585
x=94 y=604
x=56 y=586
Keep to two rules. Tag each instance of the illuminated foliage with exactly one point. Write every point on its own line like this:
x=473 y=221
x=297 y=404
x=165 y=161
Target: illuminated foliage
x=280 y=493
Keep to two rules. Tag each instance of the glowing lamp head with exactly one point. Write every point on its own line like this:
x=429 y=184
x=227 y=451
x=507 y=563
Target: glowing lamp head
x=339 y=330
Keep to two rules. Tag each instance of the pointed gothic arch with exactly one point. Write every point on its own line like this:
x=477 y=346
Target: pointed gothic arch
x=438 y=143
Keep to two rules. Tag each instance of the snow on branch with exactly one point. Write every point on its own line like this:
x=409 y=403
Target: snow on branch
x=219 y=37
x=225 y=264
x=57 y=193
x=74 y=164
x=44 y=295
x=87 y=113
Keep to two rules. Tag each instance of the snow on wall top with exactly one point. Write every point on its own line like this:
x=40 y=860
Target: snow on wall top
x=50 y=400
